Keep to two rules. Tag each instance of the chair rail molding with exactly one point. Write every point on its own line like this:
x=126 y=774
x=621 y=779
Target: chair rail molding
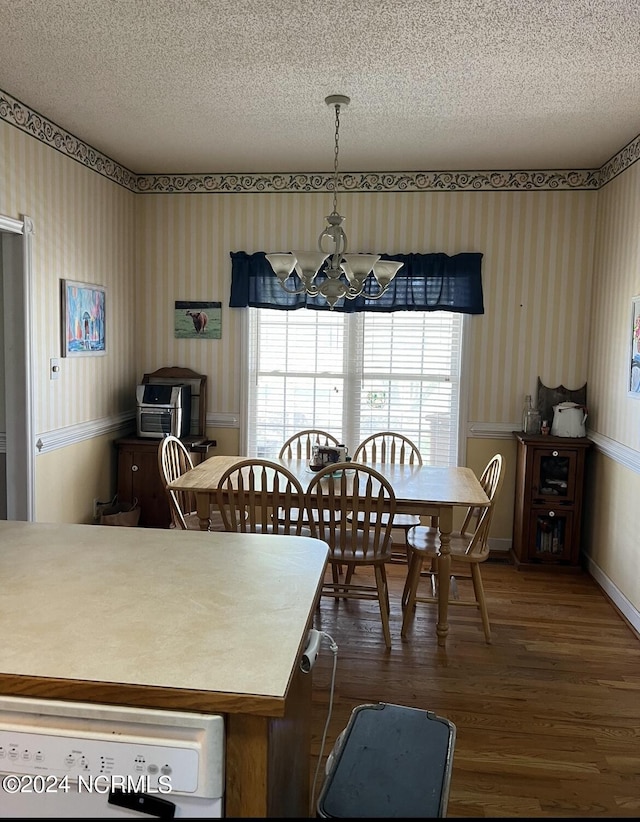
x=629 y=457
x=218 y=419
x=47 y=441
x=69 y=435
x=492 y=430
x=617 y=451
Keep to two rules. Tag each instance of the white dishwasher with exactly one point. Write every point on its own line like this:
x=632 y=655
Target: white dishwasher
x=78 y=759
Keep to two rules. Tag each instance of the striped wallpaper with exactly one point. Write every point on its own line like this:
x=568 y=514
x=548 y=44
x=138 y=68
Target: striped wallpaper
x=616 y=281
x=537 y=249
x=150 y=250
x=614 y=417
x=84 y=229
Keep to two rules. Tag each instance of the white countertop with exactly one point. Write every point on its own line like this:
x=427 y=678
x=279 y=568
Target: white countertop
x=177 y=609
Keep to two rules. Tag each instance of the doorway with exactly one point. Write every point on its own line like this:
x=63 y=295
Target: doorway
x=16 y=382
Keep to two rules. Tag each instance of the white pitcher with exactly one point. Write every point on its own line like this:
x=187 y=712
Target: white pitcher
x=569 y=420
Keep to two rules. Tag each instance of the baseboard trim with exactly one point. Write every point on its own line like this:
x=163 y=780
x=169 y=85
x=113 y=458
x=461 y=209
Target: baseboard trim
x=626 y=609
x=499 y=545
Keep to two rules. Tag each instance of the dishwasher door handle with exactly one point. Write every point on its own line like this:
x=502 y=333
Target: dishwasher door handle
x=143 y=803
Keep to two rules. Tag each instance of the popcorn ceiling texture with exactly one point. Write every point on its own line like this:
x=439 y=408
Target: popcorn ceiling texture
x=179 y=86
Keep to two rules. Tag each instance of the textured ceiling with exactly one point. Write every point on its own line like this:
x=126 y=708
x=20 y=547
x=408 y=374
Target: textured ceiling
x=239 y=85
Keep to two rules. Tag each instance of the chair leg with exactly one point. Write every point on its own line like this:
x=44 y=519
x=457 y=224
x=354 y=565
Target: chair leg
x=482 y=605
x=432 y=574
x=386 y=587
x=383 y=601
x=410 y=591
x=414 y=568
x=407 y=584
x=407 y=547
x=349 y=571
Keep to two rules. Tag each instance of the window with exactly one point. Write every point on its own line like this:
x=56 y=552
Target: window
x=353 y=375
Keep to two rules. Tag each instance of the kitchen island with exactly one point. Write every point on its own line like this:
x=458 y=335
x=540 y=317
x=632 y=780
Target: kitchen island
x=175 y=620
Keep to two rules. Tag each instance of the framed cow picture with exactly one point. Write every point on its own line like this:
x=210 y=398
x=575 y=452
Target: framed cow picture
x=197 y=320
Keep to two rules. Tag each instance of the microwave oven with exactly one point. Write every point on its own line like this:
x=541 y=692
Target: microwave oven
x=163 y=409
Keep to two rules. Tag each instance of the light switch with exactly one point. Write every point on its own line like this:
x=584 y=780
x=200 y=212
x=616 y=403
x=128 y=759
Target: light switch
x=54 y=368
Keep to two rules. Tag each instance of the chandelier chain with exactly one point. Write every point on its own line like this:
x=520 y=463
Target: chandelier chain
x=335 y=160
x=344 y=276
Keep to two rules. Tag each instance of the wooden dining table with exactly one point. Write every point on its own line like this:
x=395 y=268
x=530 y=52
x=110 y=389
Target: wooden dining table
x=426 y=490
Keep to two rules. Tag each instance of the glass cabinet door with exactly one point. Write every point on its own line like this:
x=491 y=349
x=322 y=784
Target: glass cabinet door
x=554 y=475
x=551 y=535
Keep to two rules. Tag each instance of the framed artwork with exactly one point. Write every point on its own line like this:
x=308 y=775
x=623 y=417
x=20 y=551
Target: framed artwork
x=197 y=320
x=84 y=320
x=634 y=357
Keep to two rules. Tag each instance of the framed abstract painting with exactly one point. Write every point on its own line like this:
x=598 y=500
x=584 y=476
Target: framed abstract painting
x=633 y=384
x=84 y=319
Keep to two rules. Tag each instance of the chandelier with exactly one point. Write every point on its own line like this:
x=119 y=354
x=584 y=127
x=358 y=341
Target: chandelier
x=347 y=275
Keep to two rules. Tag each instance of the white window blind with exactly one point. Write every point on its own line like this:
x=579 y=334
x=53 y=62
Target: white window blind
x=353 y=375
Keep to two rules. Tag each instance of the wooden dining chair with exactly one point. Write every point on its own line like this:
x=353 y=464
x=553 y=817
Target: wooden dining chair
x=388 y=447
x=346 y=504
x=300 y=445
x=173 y=461
x=251 y=490
x=469 y=548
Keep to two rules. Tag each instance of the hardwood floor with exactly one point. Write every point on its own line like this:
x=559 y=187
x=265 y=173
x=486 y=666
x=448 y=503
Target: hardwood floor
x=547 y=717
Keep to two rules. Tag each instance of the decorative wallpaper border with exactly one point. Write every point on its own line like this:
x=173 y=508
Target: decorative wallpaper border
x=621 y=161
x=26 y=119
x=31 y=122
x=370 y=181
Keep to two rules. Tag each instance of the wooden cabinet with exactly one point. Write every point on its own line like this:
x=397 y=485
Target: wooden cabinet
x=548 y=500
x=139 y=477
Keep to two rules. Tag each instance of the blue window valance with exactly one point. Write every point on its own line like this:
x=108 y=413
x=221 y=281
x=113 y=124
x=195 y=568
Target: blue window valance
x=426 y=282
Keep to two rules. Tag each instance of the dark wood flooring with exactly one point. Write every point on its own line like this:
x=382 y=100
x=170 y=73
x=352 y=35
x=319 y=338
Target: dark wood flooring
x=547 y=717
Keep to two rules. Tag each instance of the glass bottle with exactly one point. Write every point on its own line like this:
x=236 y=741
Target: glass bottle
x=530 y=417
x=525 y=411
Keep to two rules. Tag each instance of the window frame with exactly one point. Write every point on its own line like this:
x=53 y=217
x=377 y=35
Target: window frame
x=463 y=393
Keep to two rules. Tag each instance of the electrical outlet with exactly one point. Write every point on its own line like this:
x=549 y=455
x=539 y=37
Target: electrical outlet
x=310 y=653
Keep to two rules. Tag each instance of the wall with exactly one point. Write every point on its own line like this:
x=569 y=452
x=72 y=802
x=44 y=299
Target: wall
x=153 y=249
x=69 y=479
x=614 y=417
x=84 y=229
x=3 y=428
x=537 y=248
